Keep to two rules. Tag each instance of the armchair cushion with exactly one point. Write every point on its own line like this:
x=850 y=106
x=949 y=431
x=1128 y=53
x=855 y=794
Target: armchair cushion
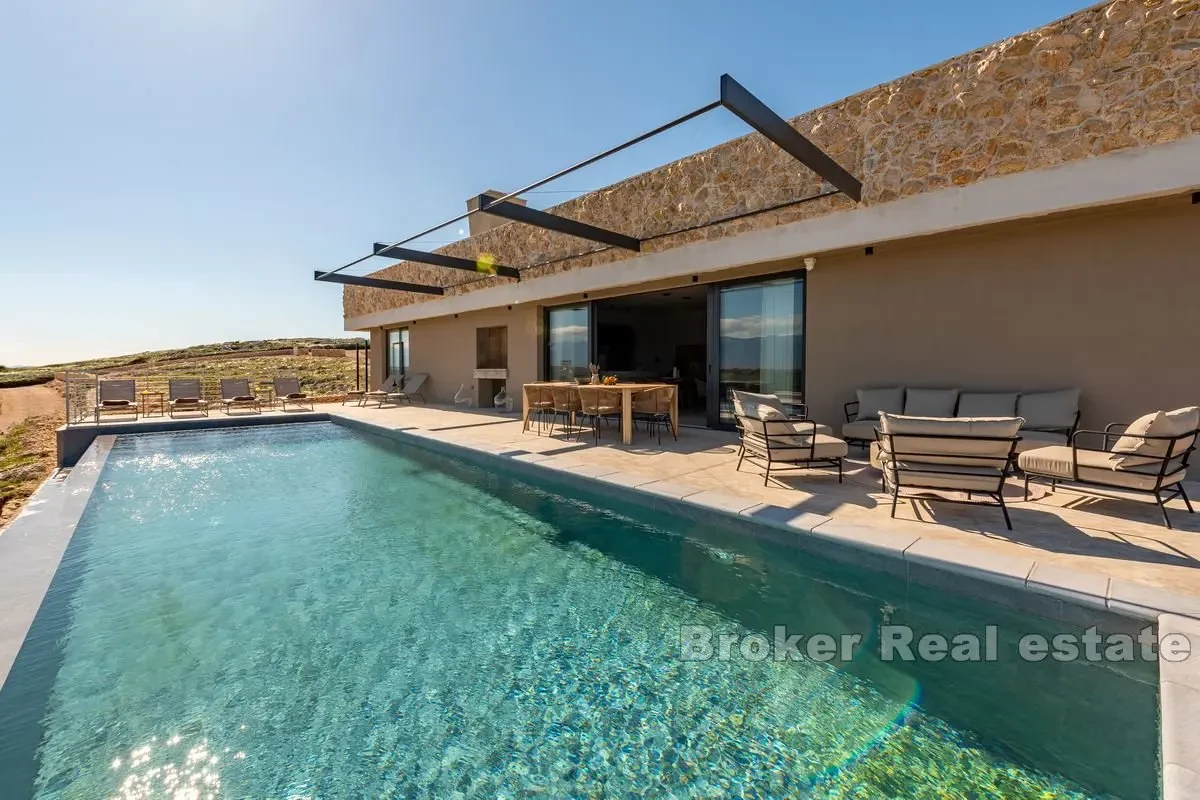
x=758 y=406
x=1056 y=409
x=756 y=409
x=873 y=401
x=987 y=404
x=976 y=442
x=1159 y=423
x=930 y=402
x=796 y=448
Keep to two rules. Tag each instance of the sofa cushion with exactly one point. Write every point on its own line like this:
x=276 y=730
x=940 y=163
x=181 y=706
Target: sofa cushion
x=987 y=404
x=863 y=429
x=1160 y=423
x=918 y=439
x=1056 y=409
x=930 y=402
x=1032 y=439
x=1095 y=466
x=873 y=401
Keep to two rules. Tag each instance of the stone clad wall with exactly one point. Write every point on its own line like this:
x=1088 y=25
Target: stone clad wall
x=1115 y=76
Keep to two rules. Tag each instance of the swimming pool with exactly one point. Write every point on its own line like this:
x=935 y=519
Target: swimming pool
x=309 y=611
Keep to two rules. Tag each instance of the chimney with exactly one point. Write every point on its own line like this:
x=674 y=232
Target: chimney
x=478 y=223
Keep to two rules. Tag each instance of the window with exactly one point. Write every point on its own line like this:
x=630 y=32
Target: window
x=397 y=352
x=567 y=342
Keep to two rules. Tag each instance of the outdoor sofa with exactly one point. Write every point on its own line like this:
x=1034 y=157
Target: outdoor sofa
x=964 y=454
x=115 y=397
x=773 y=438
x=185 y=395
x=1149 y=456
x=1049 y=417
x=287 y=390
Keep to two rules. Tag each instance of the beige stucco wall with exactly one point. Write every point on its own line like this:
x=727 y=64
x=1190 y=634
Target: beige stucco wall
x=1112 y=77
x=444 y=347
x=1106 y=302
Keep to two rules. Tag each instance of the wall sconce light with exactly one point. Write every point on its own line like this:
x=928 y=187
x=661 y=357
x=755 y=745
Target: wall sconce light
x=810 y=263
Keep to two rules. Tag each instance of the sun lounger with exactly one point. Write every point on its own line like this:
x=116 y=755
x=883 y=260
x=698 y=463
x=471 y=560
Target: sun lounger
x=116 y=397
x=412 y=388
x=287 y=390
x=389 y=384
x=235 y=393
x=184 y=395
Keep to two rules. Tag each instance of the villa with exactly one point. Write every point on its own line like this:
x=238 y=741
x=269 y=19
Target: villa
x=433 y=584
x=1028 y=219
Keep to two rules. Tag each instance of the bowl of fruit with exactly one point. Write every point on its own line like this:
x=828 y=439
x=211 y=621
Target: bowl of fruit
x=610 y=380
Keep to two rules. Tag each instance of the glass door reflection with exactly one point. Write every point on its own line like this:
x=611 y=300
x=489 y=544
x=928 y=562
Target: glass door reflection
x=760 y=342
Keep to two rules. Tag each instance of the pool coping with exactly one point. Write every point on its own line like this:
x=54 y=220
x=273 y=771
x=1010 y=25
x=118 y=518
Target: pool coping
x=32 y=546
x=906 y=553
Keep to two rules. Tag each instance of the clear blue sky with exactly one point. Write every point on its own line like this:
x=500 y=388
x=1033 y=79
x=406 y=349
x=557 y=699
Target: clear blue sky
x=172 y=171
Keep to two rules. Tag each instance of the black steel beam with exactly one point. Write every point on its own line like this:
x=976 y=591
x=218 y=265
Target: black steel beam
x=553 y=222
x=376 y=283
x=757 y=115
x=562 y=172
x=440 y=260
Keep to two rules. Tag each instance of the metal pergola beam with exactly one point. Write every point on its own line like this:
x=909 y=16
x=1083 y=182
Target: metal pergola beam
x=561 y=173
x=376 y=283
x=553 y=222
x=734 y=97
x=440 y=260
x=757 y=115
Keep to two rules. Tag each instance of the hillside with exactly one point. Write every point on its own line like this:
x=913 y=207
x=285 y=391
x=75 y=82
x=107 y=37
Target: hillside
x=167 y=359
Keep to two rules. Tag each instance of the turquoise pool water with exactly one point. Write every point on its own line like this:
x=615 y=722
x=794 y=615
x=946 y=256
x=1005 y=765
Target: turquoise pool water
x=305 y=611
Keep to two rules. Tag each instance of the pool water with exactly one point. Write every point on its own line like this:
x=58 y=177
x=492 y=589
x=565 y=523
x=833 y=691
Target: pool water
x=307 y=611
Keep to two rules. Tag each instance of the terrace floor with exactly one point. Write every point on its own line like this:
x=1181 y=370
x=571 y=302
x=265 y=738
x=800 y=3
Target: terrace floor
x=1099 y=540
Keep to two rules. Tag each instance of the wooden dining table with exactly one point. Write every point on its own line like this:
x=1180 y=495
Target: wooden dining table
x=627 y=391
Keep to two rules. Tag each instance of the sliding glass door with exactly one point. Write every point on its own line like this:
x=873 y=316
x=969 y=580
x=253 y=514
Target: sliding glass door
x=568 y=341
x=759 y=341
x=397 y=352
